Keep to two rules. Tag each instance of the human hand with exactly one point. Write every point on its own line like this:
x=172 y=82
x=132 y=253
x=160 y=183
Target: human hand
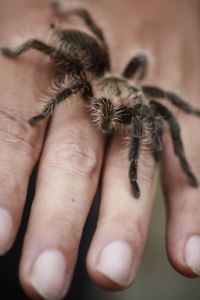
x=71 y=161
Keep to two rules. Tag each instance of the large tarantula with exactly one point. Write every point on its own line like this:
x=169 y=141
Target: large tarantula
x=115 y=102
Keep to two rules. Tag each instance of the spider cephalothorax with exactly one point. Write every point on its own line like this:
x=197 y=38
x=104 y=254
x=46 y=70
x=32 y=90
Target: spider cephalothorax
x=114 y=102
x=111 y=105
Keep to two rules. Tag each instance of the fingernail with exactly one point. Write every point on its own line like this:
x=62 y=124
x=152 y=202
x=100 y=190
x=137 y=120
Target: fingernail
x=6 y=226
x=116 y=261
x=192 y=253
x=48 y=275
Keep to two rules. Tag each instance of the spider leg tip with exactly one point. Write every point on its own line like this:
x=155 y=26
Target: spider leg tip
x=52 y=25
x=158 y=156
x=31 y=121
x=7 y=52
x=54 y=5
x=137 y=195
x=35 y=119
x=135 y=189
x=4 y=50
x=194 y=182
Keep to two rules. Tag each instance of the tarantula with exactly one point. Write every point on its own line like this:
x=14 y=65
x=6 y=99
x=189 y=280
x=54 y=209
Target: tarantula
x=115 y=102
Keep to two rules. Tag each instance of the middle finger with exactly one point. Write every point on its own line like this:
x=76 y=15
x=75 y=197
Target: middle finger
x=67 y=181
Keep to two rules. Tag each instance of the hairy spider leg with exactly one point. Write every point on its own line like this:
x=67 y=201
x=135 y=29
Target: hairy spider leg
x=156 y=133
x=176 y=139
x=60 y=59
x=155 y=127
x=137 y=66
x=30 y=44
x=155 y=92
x=57 y=56
x=82 y=13
x=136 y=135
x=82 y=86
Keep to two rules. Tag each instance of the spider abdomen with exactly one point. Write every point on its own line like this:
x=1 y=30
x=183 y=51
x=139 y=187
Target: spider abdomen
x=85 y=49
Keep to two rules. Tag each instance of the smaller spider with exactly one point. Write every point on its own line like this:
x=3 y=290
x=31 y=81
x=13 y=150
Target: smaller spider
x=115 y=103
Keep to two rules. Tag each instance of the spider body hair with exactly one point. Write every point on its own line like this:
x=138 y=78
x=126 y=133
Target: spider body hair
x=115 y=103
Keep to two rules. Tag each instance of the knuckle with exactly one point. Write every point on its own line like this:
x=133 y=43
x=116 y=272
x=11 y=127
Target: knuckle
x=16 y=133
x=63 y=223
x=75 y=157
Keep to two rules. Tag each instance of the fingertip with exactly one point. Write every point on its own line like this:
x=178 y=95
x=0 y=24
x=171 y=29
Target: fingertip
x=115 y=262
x=6 y=231
x=101 y=279
x=183 y=248
x=192 y=254
x=180 y=264
x=48 y=275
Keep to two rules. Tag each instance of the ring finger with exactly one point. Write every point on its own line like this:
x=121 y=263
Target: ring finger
x=117 y=247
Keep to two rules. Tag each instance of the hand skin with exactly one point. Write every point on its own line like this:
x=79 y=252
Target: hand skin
x=71 y=161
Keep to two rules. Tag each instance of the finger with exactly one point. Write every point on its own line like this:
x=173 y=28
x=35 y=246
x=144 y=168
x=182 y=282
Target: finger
x=117 y=247
x=183 y=209
x=66 y=185
x=20 y=143
x=18 y=155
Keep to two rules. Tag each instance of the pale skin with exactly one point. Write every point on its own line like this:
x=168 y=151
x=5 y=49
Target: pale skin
x=73 y=155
